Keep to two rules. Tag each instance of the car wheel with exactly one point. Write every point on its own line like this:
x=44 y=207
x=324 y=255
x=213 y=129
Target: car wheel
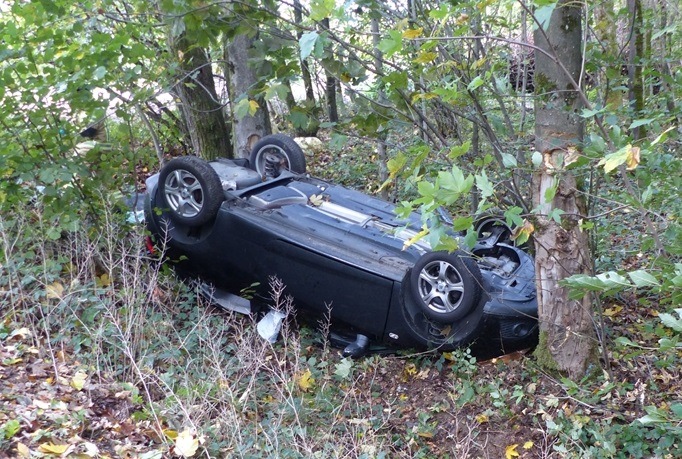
x=276 y=153
x=494 y=225
x=190 y=188
x=446 y=286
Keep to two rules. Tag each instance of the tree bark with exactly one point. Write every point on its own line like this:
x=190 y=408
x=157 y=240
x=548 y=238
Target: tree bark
x=242 y=82
x=635 y=56
x=305 y=70
x=330 y=86
x=201 y=109
x=566 y=331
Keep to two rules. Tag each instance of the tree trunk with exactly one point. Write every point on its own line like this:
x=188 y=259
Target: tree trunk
x=201 y=109
x=635 y=57
x=241 y=82
x=330 y=86
x=305 y=70
x=381 y=145
x=566 y=333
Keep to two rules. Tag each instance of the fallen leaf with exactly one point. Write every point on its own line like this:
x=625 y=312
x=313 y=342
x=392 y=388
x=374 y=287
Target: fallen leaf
x=510 y=451
x=20 y=332
x=186 y=445
x=316 y=200
x=481 y=418
x=54 y=290
x=51 y=448
x=305 y=380
x=23 y=451
x=611 y=312
x=528 y=445
x=78 y=380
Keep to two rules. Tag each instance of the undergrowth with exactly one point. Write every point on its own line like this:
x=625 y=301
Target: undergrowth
x=94 y=297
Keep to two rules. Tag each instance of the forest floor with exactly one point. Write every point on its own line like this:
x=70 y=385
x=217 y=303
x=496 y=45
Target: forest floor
x=54 y=404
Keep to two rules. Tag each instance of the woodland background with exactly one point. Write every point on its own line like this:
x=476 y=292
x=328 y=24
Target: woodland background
x=446 y=103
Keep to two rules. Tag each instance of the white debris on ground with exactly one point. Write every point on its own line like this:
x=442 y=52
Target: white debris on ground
x=311 y=146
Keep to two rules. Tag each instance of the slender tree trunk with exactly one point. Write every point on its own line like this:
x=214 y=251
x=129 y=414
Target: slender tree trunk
x=635 y=56
x=242 y=81
x=381 y=145
x=305 y=70
x=566 y=332
x=330 y=85
x=199 y=102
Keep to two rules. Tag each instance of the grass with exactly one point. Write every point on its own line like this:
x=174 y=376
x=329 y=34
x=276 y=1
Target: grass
x=167 y=374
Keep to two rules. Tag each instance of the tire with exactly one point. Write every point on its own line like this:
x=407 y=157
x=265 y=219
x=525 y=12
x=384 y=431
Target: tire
x=276 y=153
x=191 y=191
x=487 y=225
x=446 y=286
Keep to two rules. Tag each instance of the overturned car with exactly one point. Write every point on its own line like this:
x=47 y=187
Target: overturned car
x=340 y=253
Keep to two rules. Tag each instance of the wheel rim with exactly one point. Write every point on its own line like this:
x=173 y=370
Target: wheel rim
x=441 y=287
x=272 y=160
x=184 y=193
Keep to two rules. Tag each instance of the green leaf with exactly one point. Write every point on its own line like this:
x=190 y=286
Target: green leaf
x=642 y=122
x=10 y=428
x=307 y=43
x=321 y=9
x=536 y=159
x=242 y=108
x=475 y=83
x=508 y=160
x=543 y=14
x=462 y=223
x=484 y=185
x=613 y=160
x=642 y=278
x=613 y=281
x=662 y=137
x=671 y=321
x=458 y=150
x=623 y=341
x=391 y=45
x=278 y=90
x=343 y=368
x=396 y=164
x=397 y=80
x=99 y=73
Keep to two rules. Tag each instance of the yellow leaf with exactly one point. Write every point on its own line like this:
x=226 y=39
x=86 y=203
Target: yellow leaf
x=51 y=448
x=253 y=107
x=416 y=237
x=413 y=33
x=425 y=57
x=23 y=451
x=170 y=434
x=632 y=160
x=186 y=445
x=410 y=369
x=305 y=380
x=528 y=445
x=78 y=380
x=611 y=312
x=481 y=418
x=510 y=451
x=54 y=290
x=522 y=233
x=425 y=434
x=316 y=200
x=103 y=281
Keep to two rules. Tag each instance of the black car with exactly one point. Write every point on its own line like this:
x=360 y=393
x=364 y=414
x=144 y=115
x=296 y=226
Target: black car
x=340 y=252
